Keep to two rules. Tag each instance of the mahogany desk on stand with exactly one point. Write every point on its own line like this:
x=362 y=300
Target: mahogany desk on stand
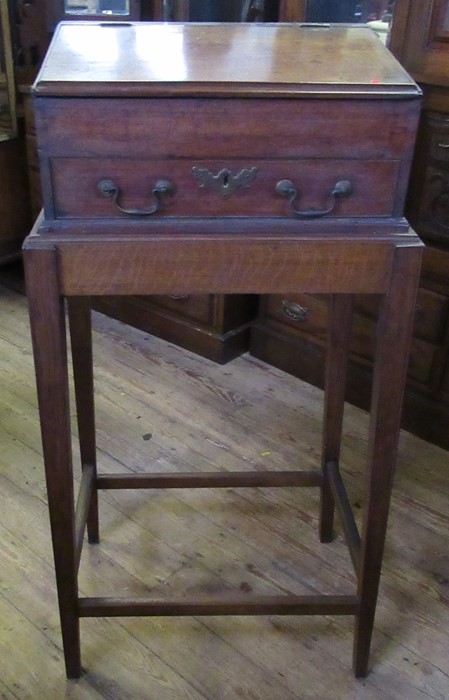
x=257 y=159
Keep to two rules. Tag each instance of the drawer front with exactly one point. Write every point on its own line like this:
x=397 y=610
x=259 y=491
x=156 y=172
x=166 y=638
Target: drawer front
x=309 y=315
x=197 y=307
x=134 y=142
x=302 y=312
x=220 y=188
x=431 y=313
x=439 y=146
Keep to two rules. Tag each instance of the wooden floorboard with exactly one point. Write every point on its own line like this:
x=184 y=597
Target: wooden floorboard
x=161 y=408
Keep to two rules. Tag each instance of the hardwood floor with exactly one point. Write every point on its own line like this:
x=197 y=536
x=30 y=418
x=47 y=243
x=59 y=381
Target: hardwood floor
x=159 y=404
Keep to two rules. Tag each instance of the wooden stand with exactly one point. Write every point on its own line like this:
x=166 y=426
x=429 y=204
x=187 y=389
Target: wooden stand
x=55 y=270
x=77 y=251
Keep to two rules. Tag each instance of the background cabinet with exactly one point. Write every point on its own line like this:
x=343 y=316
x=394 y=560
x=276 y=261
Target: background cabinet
x=15 y=215
x=216 y=326
x=290 y=333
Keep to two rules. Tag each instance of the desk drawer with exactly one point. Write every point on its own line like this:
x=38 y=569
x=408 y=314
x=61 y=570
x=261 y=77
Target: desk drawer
x=312 y=142
x=220 y=188
x=303 y=315
x=197 y=307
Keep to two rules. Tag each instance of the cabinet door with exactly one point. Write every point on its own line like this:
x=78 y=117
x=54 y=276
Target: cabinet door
x=426 y=46
x=428 y=196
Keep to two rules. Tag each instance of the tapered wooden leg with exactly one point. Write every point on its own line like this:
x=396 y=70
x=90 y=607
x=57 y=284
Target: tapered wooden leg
x=50 y=356
x=394 y=330
x=340 y=318
x=81 y=342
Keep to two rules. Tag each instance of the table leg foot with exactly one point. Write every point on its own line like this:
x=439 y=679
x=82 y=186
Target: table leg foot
x=47 y=320
x=394 y=331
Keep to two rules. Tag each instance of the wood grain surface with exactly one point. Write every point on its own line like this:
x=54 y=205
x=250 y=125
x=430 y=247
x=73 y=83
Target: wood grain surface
x=157 y=403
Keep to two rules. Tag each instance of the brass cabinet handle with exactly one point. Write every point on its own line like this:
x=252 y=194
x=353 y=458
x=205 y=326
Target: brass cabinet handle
x=162 y=188
x=293 y=311
x=286 y=188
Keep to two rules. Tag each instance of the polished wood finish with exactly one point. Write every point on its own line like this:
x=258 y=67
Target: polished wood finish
x=226 y=333
x=268 y=250
x=49 y=343
x=261 y=541
x=256 y=542
x=269 y=605
x=419 y=41
x=335 y=383
x=219 y=337
x=81 y=344
x=269 y=65
x=212 y=325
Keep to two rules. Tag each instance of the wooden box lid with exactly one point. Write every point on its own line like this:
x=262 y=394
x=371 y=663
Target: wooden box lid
x=257 y=60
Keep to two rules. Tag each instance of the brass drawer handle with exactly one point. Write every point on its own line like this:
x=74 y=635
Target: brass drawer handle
x=286 y=188
x=162 y=188
x=293 y=311
x=443 y=145
x=179 y=297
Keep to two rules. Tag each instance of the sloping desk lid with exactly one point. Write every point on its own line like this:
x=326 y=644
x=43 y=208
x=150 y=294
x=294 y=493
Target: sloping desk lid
x=258 y=60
